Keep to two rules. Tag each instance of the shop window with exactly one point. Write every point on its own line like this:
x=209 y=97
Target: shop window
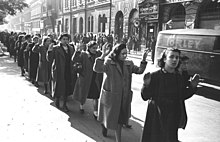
x=210 y=8
x=178 y=13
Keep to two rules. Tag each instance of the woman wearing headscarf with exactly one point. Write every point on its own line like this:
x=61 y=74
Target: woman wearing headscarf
x=62 y=76
x=165 y=91
x=43 y=71
x=88 y=84
x=116 y=94
x=33 y=61
x=20 y=50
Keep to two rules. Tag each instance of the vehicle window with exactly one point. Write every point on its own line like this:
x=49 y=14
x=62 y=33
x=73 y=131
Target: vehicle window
x=217 y=44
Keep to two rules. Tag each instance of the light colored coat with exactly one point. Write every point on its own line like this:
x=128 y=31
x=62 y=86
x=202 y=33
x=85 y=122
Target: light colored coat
x=57 y=57
x=116 y=89
x=84 y=79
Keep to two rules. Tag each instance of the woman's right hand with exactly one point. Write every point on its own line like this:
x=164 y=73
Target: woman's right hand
x=147 y=79
x=105 y=49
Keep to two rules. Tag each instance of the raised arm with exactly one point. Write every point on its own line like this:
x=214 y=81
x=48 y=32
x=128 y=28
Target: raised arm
x=142 y=67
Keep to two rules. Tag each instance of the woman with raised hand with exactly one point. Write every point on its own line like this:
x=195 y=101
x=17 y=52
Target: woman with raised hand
x=62 y=76
x=43 y=71
x=88 y=84
x=116 y=94
x=165 y=91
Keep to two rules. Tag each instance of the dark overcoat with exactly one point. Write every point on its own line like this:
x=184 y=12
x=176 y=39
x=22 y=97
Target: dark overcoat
x=56 y=57
x=43 y=71
x=116 y=94
x=154 y=127
x=85 y=77
x=33 y=61
x=20 y=48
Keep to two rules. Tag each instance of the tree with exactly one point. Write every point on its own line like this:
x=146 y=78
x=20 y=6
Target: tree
x=12 y=6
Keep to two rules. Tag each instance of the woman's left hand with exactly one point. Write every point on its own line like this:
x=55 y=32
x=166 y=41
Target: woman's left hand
x=144 y=57
x=195 y=80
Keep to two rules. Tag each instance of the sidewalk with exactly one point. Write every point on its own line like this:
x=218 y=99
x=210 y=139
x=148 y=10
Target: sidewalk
x=28 y=115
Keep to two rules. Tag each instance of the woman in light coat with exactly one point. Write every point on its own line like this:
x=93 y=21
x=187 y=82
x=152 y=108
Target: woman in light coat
x=88 y=84
x=43 y=71
x=62 y=71
x=116 y=94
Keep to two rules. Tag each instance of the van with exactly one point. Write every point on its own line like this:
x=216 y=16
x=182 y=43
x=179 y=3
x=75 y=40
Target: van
x=202 y=46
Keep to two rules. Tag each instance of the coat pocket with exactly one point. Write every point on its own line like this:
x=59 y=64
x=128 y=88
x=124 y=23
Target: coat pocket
x=106 y=98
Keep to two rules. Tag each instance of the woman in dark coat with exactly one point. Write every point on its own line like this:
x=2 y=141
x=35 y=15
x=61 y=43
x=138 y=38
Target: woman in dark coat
x=33 y=61
x=20 y=49
x=62 y=76
x=88 y=84
x=165 y=91
x=43 y=71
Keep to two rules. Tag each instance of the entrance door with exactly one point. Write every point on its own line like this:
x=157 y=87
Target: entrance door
x=119 y=20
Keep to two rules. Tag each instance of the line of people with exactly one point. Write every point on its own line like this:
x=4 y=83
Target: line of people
x=104 y=74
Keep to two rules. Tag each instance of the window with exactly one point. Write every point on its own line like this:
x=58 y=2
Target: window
x=73 y=3
x=178 y=12
x=66 y=25
x=89 y=24
x=66 y=3
x=92 y=23
x=99 y=24
x=80 y=1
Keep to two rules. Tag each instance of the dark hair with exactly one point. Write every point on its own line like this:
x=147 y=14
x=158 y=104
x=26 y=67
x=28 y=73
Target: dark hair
x=27 y=36
x=64 y=35
x=161 y=62
x=45 y=38
x=116 y=51
x=20 y=37
x=91 y=44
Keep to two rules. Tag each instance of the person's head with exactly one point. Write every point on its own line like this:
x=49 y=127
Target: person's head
x=21 y=38
x=51 y=36
x=119 y=53
x=183 y=63
x=27 y=37
x=104 y=38
x=35 y=39
x=64 y=38
x=92 y=47
x=170 y=59
x=46 y=41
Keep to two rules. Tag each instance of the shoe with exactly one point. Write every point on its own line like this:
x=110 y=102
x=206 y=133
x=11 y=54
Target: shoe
x=128 y=126
x=45 y=92
x=65 y=109
x=36 y=84
x=81 y=111
x=57 y=103
x=95 y=117
x=104 y=130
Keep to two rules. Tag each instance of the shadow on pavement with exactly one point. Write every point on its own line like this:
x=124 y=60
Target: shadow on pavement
x=209 y=93
x=84 y=123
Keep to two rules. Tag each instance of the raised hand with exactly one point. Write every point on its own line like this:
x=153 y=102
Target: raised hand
x=144 y=57
x=105 y=49
x=147 y=79
x=195 y=80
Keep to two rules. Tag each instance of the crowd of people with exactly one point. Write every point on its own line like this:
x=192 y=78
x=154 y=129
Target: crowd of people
x=98 y=69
